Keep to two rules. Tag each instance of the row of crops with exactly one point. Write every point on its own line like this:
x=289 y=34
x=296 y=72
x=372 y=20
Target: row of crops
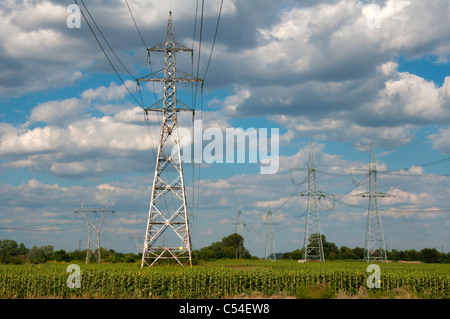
x=217 y=280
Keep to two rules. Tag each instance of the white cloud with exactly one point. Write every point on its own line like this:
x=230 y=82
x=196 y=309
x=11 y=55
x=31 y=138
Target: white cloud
x=58 y=113
x=91 y=146
x=441 y=140
x=411 y=98
x=111 y=93
x=34 y=43
x=325 y=74
x=73 y=168
x=404 y=197
x=208 y=231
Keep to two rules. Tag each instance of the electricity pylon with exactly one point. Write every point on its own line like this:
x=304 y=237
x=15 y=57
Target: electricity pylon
x=312 y=243
x=94 y=227
x=240 y=229
x=270 y=241
x=167 y=235
x=138 y=243
x=239 y=223
x=374 y=247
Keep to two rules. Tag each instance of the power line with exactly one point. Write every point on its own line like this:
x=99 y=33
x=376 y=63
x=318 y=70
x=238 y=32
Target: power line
x=199 y=54
x=39 y=229
x=428 y=164
x=44 y=226
x=290 y=224
x=106 y=41
x=214 y=41
x=135 y=24
x=418 y=211
x=104 y=52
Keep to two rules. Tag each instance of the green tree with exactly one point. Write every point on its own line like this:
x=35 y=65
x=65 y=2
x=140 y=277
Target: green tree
x=346 y=253
x=330 y=249
x=59 y=255
x=229 y=247
x=77 y=255
x=10 y=252
x=411 y=255
x=40 y=254
x=294 y=255
x=430 y=255
x=358 y=252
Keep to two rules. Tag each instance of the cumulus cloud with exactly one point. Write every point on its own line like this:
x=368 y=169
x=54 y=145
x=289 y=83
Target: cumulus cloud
x=111 y=93
x=441 y=140
x=58 y=113
x=318 y=64
x=91 y=146
x=320 y=70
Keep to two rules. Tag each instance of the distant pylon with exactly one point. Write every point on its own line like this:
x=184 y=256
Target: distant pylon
x=240 y=229
x=94 y=226
x=239 y=223
x=138 y=243
x=374 y=247
x=167 y=235
x=270 y=241
x=312 y=243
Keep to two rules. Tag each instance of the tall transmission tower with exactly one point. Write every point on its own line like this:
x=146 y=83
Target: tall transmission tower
x=312 y=243
x=270 y=241
x=167 y=235
x=374 y=247
x=94 y=226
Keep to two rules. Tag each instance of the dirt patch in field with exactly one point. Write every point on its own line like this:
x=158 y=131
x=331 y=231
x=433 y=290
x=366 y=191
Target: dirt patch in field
x=259 y=295
x=240 y=266
x=396 y=293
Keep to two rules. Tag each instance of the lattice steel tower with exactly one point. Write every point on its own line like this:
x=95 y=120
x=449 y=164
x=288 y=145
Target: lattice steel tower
x=167 y=235
x=239 y=223
x=374 y=247
x=270 y=241
x=94 y=226
x=312 y=243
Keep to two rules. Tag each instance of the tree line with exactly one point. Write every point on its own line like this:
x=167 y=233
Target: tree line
x=13 y=253
x=332 y=252
x=230 y=247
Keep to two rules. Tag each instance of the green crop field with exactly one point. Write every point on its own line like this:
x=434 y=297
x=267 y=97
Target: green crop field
x=223 y=279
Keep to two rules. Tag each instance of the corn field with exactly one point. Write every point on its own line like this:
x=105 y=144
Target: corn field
x=217 y=280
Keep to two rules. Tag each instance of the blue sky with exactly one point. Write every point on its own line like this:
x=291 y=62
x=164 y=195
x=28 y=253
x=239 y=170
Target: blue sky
x=70 y=132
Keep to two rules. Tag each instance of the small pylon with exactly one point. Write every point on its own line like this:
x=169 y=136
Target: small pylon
x=270 y=241
x=312 y=243
x=239 y=223
x=375 y=246
x=94 y=227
